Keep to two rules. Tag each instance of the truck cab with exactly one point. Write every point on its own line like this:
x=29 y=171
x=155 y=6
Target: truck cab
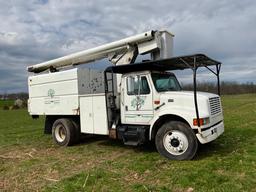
x=148 y=96
x=154 y=107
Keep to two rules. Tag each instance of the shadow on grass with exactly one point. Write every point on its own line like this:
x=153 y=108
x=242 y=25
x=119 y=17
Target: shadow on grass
x=106 y=141
x=87 y=139
x=209 y=150
x=219 y=147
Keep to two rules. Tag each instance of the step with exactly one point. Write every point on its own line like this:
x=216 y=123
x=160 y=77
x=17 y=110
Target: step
x=132 y=143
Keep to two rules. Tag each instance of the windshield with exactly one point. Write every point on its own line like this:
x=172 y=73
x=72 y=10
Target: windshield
x=165 y=82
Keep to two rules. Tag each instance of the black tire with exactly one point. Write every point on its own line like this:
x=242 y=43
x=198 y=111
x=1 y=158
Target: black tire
x=176 y=140
x=63 y=132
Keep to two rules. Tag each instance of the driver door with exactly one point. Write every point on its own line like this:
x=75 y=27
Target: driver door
x=137 y=105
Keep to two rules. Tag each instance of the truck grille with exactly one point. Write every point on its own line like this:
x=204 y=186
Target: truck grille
x=215 y=105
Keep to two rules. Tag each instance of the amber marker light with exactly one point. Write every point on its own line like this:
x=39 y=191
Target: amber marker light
x=202 y=121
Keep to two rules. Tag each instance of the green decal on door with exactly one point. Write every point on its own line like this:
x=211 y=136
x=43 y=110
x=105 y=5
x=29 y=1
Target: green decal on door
x=51 y=93
x=138 y=102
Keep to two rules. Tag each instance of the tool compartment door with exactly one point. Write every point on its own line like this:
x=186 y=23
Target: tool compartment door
x=100 y=115
x=86 y=115
x=93 y=114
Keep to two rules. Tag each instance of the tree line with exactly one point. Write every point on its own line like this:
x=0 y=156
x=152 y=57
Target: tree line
x=14 y=96
x=226 y=88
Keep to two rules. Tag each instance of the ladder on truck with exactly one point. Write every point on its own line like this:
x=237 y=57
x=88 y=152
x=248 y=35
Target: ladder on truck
x=110 y=97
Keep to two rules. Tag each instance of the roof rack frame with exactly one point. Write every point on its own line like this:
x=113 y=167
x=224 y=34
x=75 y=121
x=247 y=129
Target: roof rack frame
x=194 y=69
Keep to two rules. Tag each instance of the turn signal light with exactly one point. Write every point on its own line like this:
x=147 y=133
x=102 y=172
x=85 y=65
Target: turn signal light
x=157 y=102
x=202 y=121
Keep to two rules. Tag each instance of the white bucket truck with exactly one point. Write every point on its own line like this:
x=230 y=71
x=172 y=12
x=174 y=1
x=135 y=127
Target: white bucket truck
x=134 y=102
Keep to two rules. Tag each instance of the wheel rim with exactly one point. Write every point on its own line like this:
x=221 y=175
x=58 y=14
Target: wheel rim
x=175 y=142
x=60 y=133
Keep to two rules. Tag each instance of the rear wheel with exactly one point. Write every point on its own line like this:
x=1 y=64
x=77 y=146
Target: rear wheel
x=176 y=140
x=63 y=132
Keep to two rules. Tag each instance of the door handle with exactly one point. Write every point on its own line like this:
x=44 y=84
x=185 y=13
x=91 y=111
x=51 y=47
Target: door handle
x=126 y=108
x=122 y=96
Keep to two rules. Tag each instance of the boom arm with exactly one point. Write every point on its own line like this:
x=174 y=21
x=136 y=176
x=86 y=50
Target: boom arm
x=125 y=51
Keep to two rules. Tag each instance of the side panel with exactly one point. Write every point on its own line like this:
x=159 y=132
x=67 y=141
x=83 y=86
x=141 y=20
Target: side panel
x=100 y=115
x=93 y=114
x=53 y=77
x=54 y=93
x=58 y=93
x=51 y=89
x=90 y=81
x=57 y=105
x=86 y=114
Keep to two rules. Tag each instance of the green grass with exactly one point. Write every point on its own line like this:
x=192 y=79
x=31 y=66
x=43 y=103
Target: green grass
x=29 y=161
x=6 y=103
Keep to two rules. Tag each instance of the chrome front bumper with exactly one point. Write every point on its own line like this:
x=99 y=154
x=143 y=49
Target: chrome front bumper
x=210 y=134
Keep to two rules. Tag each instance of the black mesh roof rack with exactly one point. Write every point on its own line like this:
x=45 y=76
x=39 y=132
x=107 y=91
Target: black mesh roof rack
x=173 y=63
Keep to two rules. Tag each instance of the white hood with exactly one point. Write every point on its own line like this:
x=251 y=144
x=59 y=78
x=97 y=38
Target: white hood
x=184 y=100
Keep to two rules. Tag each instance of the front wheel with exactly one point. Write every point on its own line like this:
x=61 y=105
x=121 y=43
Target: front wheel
x=176 y=140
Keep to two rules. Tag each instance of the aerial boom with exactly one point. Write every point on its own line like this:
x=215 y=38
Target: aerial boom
x=124 y=51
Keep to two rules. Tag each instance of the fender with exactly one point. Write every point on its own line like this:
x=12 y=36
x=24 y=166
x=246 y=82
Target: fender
x=186 y=114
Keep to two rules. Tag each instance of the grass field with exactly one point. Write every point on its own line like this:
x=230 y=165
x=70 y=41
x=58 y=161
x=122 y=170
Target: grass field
x=6 y=103
x=29 y=161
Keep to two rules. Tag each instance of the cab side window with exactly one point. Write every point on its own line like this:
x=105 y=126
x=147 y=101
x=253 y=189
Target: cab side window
x=132 y=85
x=144 y=87
x=137 y=85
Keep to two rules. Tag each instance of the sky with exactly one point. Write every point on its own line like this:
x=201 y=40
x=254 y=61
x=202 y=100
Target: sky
x=34 y=31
